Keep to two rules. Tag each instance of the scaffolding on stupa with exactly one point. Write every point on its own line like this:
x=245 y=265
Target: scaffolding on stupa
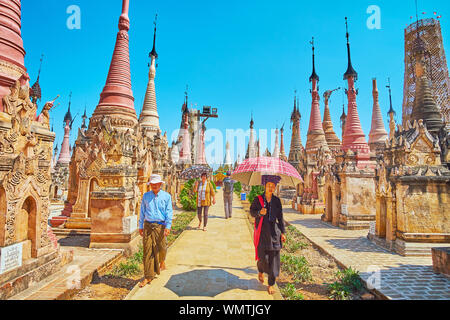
x=430 y=32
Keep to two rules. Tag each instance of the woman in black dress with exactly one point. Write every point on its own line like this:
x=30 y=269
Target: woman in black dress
x=272 y=233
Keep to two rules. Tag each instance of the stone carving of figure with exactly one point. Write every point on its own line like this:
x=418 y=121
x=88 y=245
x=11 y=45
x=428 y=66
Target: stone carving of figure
x=11 y=101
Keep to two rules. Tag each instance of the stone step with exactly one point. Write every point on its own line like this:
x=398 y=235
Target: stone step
x=74 y=232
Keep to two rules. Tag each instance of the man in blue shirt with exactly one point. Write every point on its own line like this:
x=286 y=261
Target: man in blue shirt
x=155 y=221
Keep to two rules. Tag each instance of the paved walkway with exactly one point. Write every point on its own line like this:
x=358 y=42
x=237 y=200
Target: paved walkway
x=399 y=277
x=75 y=275
x=216 y=264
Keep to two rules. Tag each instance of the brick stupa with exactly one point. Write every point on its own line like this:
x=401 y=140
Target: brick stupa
x=116 y=99
x=149 y=118
x=378 y=134
x=354 y=138
x=316 y=136
x=332 y=140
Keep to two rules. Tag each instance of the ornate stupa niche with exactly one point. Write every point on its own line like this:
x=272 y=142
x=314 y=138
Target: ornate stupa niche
x=28 y=248
x=317 y=154
x=349 y=188
x=415 y=166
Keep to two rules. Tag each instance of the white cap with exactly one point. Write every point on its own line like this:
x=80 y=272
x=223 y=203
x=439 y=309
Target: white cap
x=155 y=179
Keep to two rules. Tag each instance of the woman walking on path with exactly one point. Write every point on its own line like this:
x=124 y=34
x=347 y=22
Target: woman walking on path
x=269 y=231
x=205 y=196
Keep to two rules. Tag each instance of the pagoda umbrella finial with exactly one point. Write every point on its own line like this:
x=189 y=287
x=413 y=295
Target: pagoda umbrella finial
x=350 y=71
x=153 y=52
x=313 y=76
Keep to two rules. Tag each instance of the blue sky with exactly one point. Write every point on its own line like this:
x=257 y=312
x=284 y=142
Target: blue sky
x=238 y=56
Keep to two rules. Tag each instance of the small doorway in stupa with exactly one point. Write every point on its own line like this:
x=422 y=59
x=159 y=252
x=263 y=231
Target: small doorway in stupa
x=26 y=227
x=55 y=194
x=383 y=218
x=92 y=186
x=329 y=205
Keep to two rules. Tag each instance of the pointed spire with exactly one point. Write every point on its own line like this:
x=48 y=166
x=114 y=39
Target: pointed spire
x=282 y=151
x=68 y=116
x=64 y=156
x=350 y=71
x=276 y=149
x=391 y=109
x=84 y=117
x=153 y=52
x=316 y=136
x=117 y=99
x=327 y=125
x=149 y=117
x=313 y=76
x=353 y=137
x=378 y=134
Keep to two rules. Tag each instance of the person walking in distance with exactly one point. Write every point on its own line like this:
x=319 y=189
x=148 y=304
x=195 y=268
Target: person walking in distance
x=205 y=196
x=228 y=186
x=155 y=221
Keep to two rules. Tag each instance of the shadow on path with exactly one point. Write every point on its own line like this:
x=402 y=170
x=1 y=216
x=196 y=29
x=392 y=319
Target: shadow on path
x=209 y=283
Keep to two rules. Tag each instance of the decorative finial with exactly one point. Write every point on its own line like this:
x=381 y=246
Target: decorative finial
x=40 y=67
x=313 y=76
x=153 y=52
x=391 y=109
x=350 y=71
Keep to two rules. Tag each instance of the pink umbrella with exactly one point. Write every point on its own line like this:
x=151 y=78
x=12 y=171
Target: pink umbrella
x=250 y=171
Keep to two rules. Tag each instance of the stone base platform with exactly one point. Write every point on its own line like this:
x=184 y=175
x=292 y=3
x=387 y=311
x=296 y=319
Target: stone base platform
x=78 y=223
x=71 y=232
x=355 y=222
x=32 y=271
x=407 y=249
x=73 y=277
x=129 y=243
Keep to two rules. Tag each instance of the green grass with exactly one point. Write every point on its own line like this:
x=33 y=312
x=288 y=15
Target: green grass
x=348 y=282
x=125 y=269
x=297 y=267
x=289 y=292
x=179 y=224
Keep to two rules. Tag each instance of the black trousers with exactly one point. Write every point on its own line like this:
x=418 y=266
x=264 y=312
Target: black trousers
x=269 y=263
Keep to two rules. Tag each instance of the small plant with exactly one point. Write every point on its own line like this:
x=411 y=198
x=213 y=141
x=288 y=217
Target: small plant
x=188 y=196
x=348 y=281
x=297 y=267
x=289 y=292
x=127 y=268
x=138 y=257
x=237 y=188
x=256 y=191
x=338 y=291
x=180 y=223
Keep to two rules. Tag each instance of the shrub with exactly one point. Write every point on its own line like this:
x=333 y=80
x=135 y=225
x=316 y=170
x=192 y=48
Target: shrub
x=256 y=191
x=188 y=197
x=237 y=188
x=214 y=186
x=289 y=292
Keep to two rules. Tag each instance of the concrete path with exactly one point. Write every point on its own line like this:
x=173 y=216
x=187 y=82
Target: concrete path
x=216 y=264
x=398 y=277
